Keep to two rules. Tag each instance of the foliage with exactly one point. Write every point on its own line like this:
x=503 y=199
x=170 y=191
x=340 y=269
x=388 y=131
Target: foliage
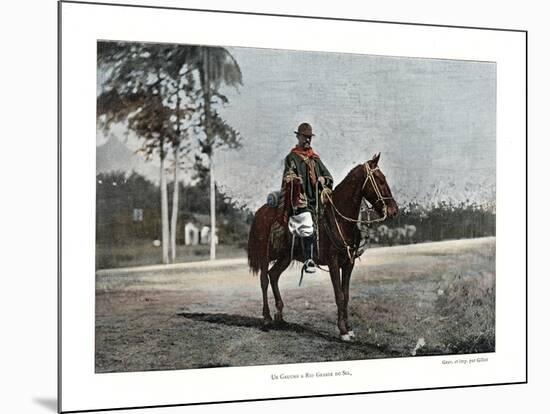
x=215 y=66
x=149 y=88
x=144 y=84
x=154 y=89
x=118 y=195
x=443 y=221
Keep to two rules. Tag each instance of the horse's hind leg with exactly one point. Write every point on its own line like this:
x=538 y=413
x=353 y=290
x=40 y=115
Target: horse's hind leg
x=264 y=281
x=274 y=273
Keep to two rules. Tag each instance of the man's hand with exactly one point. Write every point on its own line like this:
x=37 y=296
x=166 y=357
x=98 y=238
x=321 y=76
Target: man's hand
x=321 y=180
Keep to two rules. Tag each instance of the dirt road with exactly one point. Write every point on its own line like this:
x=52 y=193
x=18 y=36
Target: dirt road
x=432 y=298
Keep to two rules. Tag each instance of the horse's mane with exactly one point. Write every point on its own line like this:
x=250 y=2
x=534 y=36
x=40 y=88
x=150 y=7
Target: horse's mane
x=354 y=174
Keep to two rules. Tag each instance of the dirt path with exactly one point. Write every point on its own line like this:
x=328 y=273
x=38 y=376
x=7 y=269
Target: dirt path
x=433 y=298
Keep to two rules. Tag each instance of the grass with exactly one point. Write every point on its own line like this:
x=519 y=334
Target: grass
x=473 y=299
x=140 y=253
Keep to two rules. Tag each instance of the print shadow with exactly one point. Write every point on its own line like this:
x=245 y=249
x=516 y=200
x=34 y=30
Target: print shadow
x=48 y=403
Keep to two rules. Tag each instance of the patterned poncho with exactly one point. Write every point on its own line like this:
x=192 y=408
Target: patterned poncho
x=307 y=165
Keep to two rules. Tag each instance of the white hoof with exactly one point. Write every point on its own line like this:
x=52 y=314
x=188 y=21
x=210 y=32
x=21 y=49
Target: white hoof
x=345 y=337
x=351 y=334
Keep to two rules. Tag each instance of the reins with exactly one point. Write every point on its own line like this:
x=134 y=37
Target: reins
x=326 y=194
x=326 y=197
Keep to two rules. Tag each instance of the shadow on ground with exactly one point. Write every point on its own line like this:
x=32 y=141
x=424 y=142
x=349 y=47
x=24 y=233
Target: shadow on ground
x=258 y=323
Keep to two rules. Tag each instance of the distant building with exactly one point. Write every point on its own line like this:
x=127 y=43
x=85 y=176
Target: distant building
x=197 y=232
x=137 y=215
x=191 y=234
x=205 y=236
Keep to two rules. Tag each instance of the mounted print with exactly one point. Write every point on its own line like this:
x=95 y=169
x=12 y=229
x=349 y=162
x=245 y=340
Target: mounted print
x=297 y=213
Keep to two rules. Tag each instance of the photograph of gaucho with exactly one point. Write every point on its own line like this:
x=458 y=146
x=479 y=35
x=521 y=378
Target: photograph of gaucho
x=264 y=206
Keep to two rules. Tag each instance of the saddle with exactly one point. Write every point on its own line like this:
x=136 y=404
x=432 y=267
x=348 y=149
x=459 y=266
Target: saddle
x=290 y=195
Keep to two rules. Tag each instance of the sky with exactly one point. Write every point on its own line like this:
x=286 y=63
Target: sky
x=434 y=122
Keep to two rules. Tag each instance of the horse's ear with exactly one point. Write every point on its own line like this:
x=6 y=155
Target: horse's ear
x=375 y=159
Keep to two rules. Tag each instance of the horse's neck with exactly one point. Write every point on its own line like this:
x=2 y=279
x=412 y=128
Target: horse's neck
x=347 y=197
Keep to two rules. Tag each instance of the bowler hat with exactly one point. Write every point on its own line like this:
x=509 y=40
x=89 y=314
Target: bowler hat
x=305 y=130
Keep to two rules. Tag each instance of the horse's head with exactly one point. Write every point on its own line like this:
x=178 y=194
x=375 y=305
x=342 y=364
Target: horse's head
x=376 y=189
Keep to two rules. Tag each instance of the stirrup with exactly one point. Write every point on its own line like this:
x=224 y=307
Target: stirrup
x=309 y=266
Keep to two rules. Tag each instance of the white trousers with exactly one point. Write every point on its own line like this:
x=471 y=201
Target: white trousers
x=301 y=225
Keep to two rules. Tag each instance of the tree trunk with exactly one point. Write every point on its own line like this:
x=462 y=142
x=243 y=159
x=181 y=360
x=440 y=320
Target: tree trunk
x=210 y=146
x=212 y=210
x=175 y=198
x=164 y=210
x=175 y=202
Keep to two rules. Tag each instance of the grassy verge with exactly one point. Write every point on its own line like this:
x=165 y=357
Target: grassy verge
x=144 y=254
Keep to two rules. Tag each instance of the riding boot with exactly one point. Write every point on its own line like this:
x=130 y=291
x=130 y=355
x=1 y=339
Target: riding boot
x=309 y=264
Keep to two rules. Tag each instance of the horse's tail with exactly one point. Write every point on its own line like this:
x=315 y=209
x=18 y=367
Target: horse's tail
x=254 y=247
x=258 y=238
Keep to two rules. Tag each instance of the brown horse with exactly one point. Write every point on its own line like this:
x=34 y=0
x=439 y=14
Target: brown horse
x=338 y=238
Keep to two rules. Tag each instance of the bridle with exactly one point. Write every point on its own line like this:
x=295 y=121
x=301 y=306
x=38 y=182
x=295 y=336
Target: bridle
x=369 y=176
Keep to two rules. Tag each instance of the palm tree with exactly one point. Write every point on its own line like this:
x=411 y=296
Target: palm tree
x=178 y=150
x=216 y=66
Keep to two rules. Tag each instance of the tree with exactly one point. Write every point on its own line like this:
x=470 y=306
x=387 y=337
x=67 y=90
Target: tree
x=152 y=88
x=139 y=86
x=182 y=114
x=216 y=66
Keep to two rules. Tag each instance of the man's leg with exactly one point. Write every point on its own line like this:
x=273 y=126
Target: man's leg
x=309 y=243
x=302 y=226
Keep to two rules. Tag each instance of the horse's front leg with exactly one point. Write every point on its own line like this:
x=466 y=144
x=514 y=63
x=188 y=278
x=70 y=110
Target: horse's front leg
x=339 y=298
x=346 y=276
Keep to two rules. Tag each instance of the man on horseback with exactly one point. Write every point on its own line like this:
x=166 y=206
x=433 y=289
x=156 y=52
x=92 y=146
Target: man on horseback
x=304 y=163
